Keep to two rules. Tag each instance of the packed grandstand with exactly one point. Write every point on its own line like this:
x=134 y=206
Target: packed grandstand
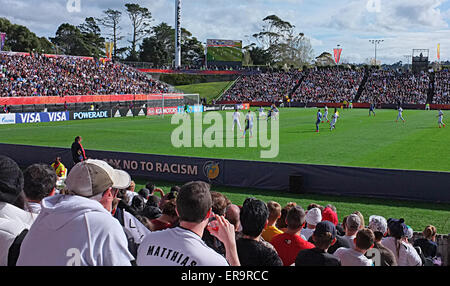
x=39 y=75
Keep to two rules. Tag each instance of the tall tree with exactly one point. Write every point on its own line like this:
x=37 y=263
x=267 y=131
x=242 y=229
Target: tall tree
x=92 y=37
x=140 y=20
x=21 y=39
x=70 y=41
x=111 y=21
x=159 y=48
x=260 y=57
x=286 y=47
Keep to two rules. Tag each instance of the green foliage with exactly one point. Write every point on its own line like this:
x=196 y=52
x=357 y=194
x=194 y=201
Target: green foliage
x=84 y=40
x=20 y=39
x=140 y=18
x=159 y=48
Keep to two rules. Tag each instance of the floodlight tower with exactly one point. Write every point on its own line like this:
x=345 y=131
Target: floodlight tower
x=177 y=33
x=376 y=42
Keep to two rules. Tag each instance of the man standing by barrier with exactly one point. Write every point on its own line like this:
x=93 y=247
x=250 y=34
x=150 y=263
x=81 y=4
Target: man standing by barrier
x=78 y=153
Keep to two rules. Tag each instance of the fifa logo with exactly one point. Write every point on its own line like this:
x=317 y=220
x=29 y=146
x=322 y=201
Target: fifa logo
x=211 y=170
x=73 y=6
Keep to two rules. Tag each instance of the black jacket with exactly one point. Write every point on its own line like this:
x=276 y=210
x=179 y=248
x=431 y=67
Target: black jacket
x=77 y=153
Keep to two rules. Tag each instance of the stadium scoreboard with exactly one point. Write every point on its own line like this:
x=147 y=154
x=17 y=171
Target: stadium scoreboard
x=224 y=52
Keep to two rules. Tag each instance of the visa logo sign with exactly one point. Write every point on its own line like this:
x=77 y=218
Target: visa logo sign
x=57 y=116
x=29 y=118
x=42 y=117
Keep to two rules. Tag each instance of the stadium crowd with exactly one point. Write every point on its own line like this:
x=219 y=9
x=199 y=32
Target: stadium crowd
x=394 y=87
x=442 y=87
x=268 y=86
x=38 y=75
x=329 y=85
x=98 y=218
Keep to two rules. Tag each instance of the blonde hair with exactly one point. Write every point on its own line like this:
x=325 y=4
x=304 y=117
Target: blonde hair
x=274 y=210
x=361 y=217
x=429 y=232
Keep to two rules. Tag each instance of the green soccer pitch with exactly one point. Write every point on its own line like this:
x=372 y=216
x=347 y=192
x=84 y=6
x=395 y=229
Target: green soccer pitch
x=357 y=141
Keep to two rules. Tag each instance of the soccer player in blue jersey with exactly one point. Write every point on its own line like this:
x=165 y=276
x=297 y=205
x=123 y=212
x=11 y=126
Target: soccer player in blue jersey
x=319 y=119
x=372 y=109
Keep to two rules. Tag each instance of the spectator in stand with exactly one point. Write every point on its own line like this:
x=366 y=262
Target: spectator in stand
x=167 y=197
x=87 y=214
x=355 y=256
x=232 y=214
x=153 y=201
x=378 y=225
x=39 y=183
x=329 y=213
x=340 y=240
x=361 y=219
x=151 y=213
x=289 y=243
x=183 y=246
x=137 y=204
x=15 y=220
x=78 y=153
x=428 y=243
x=59 y=168
x=145 y=194
x=133 y=225
x=313 y=217
x=251 y=251
x=281 y=222
x=274 y=214
x=168 y=219
x=352 y=225
x=324 y=236
x=404 y=252
x=131 y=193
x=219 y=206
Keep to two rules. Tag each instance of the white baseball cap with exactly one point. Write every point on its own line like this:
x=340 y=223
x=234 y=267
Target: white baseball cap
x=313 y=216
x=93 y=177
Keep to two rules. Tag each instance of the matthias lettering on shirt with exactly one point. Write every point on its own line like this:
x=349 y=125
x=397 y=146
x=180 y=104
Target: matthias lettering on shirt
x=171 y=255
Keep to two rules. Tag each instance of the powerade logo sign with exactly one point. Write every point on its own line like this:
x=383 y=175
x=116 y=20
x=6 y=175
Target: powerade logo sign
x=42 y=117
x=8 y=118
x=90 y=115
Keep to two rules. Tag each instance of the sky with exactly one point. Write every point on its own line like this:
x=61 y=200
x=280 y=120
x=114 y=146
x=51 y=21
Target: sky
x=402 y=24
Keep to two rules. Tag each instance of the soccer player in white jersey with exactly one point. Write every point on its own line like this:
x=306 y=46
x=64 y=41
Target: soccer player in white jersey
x=400 y=114
x=275 y=112
x=334 y=119
x=262 y=114
x=441 y=119
x=325 y=115
x=236 y=120
x=249 y=123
